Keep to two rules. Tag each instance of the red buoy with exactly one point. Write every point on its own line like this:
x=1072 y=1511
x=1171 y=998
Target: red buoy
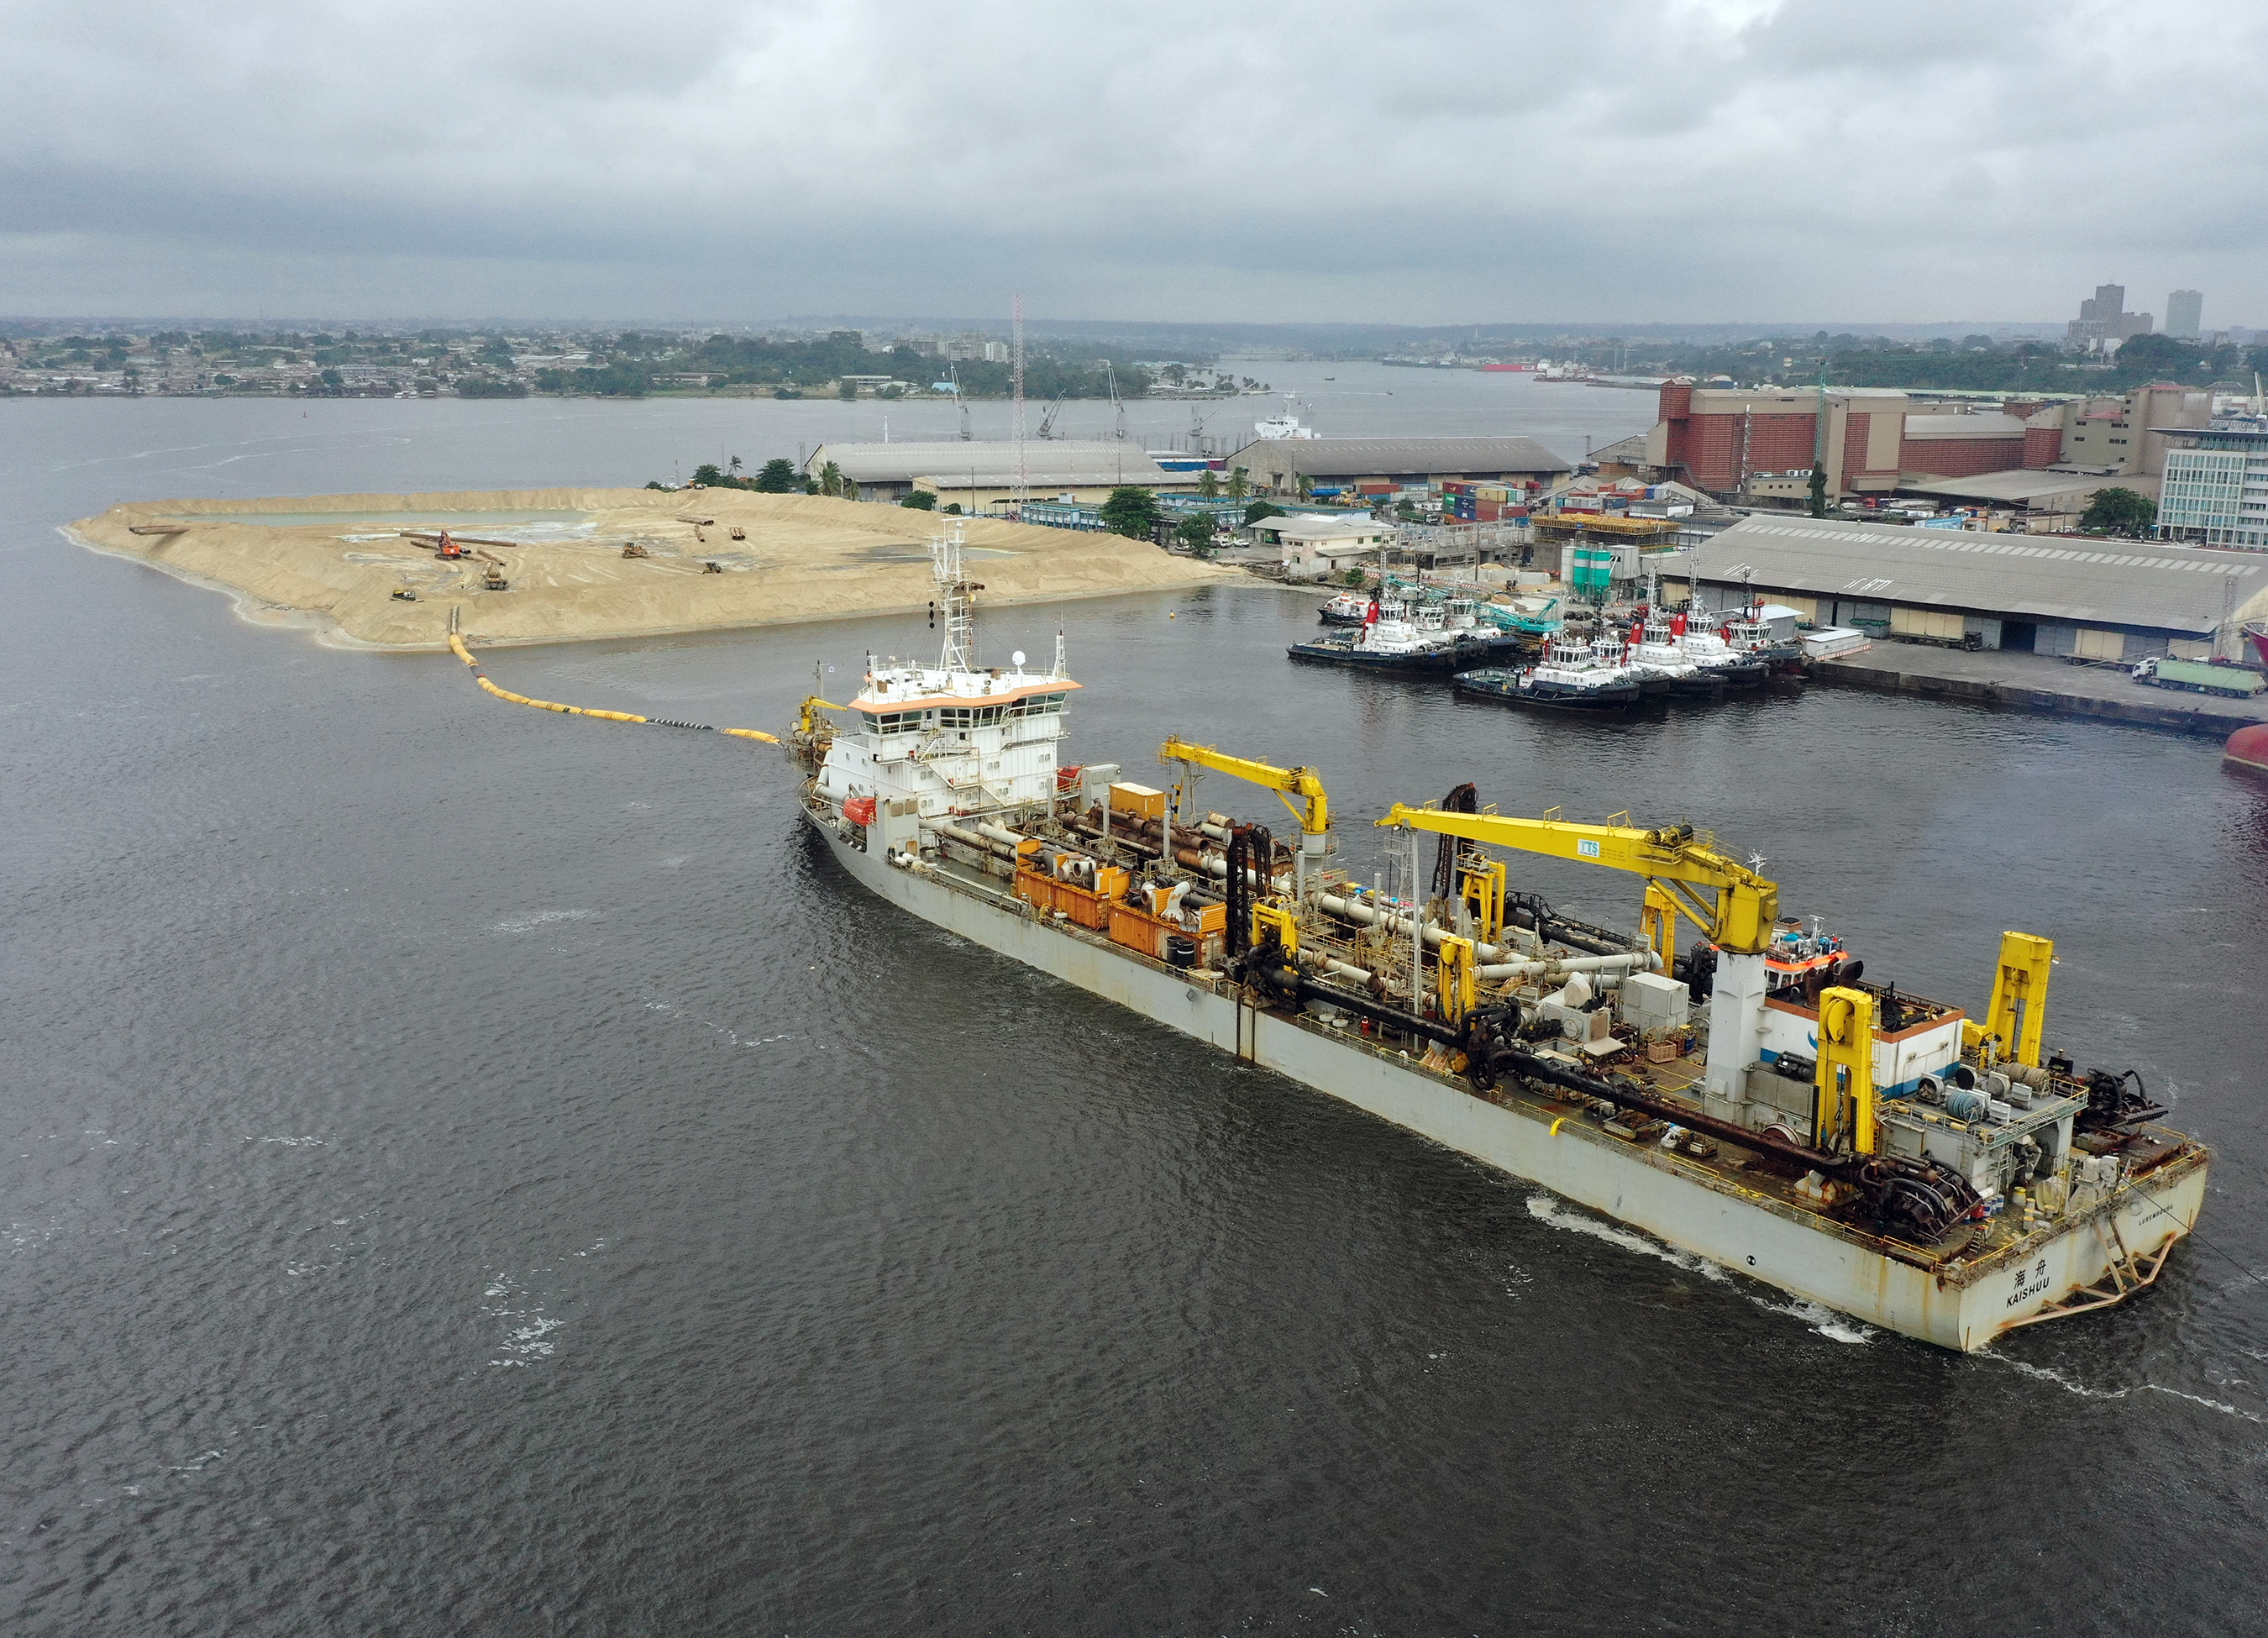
x=2247 y=751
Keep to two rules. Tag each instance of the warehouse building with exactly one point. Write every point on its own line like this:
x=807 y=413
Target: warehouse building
x=1343 y=466
x=1758 y=441
x=979 y=475
x=2106 y=599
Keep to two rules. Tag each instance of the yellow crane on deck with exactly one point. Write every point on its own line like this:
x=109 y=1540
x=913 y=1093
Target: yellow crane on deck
x=1311 y=809
x=1735 y=908
x=1737 y=917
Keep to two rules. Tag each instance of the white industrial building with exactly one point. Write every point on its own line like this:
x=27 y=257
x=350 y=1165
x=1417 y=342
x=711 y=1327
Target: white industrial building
x=1317 y=548
x=980 y=474
x=2088 y=599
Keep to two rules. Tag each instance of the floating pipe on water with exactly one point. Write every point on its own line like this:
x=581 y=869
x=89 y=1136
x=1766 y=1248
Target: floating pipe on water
x=457 y=646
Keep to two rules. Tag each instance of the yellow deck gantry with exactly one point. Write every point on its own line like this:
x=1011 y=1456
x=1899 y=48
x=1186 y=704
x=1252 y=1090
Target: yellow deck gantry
x=1732 y=904
x=2019 y=1012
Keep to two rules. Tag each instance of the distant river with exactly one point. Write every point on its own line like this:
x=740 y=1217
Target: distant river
x=465 y=1170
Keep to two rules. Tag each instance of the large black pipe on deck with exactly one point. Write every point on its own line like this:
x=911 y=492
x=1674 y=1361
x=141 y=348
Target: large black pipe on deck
x=1920 y=1200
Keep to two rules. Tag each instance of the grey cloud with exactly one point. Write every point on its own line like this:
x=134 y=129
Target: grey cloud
x=1636 y=159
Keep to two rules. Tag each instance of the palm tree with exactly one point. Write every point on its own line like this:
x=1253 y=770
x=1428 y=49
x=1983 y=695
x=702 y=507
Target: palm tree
x=1239 y=484
x=1209 y=483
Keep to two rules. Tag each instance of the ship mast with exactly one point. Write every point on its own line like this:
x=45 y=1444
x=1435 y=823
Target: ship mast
x=956 y=600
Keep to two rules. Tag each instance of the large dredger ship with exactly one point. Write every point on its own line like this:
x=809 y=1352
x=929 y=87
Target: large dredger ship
x=1755 y=1099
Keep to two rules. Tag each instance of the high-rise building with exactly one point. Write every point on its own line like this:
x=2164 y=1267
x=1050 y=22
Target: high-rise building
x=2103 y=317
x=2185 y=312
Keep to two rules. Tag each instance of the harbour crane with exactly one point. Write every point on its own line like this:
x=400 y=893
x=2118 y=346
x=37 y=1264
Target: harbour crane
x=1048 y=421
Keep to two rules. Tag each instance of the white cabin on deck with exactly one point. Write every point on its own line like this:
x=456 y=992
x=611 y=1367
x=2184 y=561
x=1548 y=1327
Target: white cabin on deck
x=958 y=741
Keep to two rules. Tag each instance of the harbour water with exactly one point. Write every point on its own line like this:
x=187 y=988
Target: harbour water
x=466 y=1169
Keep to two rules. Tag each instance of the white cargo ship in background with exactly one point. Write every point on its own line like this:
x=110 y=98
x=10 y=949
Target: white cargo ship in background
x=1754 y=1100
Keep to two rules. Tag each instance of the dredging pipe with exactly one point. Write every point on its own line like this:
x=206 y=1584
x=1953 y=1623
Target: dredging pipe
x=457 y=646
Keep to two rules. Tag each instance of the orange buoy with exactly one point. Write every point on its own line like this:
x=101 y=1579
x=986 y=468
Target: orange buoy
x=2247 y=750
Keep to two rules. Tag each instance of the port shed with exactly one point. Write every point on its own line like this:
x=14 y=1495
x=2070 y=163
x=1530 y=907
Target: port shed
x=982 y=475
x=2086 y=598
x=1380 y=465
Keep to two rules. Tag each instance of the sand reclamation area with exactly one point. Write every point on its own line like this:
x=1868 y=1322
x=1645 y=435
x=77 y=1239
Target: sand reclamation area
x=336 y=561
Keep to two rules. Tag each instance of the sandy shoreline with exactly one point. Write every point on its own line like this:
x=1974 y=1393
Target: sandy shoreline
x=802 y=557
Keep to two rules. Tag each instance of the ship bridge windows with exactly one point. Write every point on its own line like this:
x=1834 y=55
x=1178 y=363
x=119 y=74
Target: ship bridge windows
x=896 y=721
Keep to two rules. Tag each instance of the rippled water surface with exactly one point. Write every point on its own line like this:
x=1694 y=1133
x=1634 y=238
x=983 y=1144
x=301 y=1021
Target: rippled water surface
x=463 y=1169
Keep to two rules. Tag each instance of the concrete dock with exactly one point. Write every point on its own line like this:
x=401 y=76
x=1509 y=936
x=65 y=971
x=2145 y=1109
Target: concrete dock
x=2036 y=683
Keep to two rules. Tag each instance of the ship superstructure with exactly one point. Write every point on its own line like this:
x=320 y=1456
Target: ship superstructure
x=1753 y=1098
x=923 y=742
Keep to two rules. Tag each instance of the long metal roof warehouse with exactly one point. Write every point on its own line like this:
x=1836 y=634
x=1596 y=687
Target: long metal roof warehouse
x=1051 y=466
x=1280 y=462
x=2105 y=600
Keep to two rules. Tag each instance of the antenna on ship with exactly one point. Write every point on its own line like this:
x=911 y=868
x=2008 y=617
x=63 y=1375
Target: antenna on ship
x=1059 y=654
x=953 y=592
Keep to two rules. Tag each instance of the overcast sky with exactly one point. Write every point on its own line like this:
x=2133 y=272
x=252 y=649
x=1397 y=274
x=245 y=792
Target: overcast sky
x=1400 y=161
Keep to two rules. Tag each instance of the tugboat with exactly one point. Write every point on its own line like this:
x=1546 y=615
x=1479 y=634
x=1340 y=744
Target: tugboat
x=1747 y=634
x=1430 y=639
x=1710 y=651
x=1663 y=666
x=1349 y=608
x=1571 y=677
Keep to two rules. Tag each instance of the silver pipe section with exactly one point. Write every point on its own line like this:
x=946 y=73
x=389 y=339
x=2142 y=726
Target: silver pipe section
x=1636 y=961
x=967 y=838
x=998 y=834
x=1490 y=956
x=1338 y=969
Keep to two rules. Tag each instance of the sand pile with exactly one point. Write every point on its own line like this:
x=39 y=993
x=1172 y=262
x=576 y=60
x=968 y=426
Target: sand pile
x=338 y=560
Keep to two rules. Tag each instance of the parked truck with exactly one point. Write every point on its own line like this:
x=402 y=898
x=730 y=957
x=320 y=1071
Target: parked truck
x=2200 y=677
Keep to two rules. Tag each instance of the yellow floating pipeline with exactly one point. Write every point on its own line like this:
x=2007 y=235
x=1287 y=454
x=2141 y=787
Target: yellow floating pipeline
x=457 y=646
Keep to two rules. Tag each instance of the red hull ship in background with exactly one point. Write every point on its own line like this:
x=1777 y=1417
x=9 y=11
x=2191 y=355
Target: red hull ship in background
x=2247 y=750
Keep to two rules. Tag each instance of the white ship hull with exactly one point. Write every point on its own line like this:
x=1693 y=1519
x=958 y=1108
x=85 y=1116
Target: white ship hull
x=2120 y=1244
